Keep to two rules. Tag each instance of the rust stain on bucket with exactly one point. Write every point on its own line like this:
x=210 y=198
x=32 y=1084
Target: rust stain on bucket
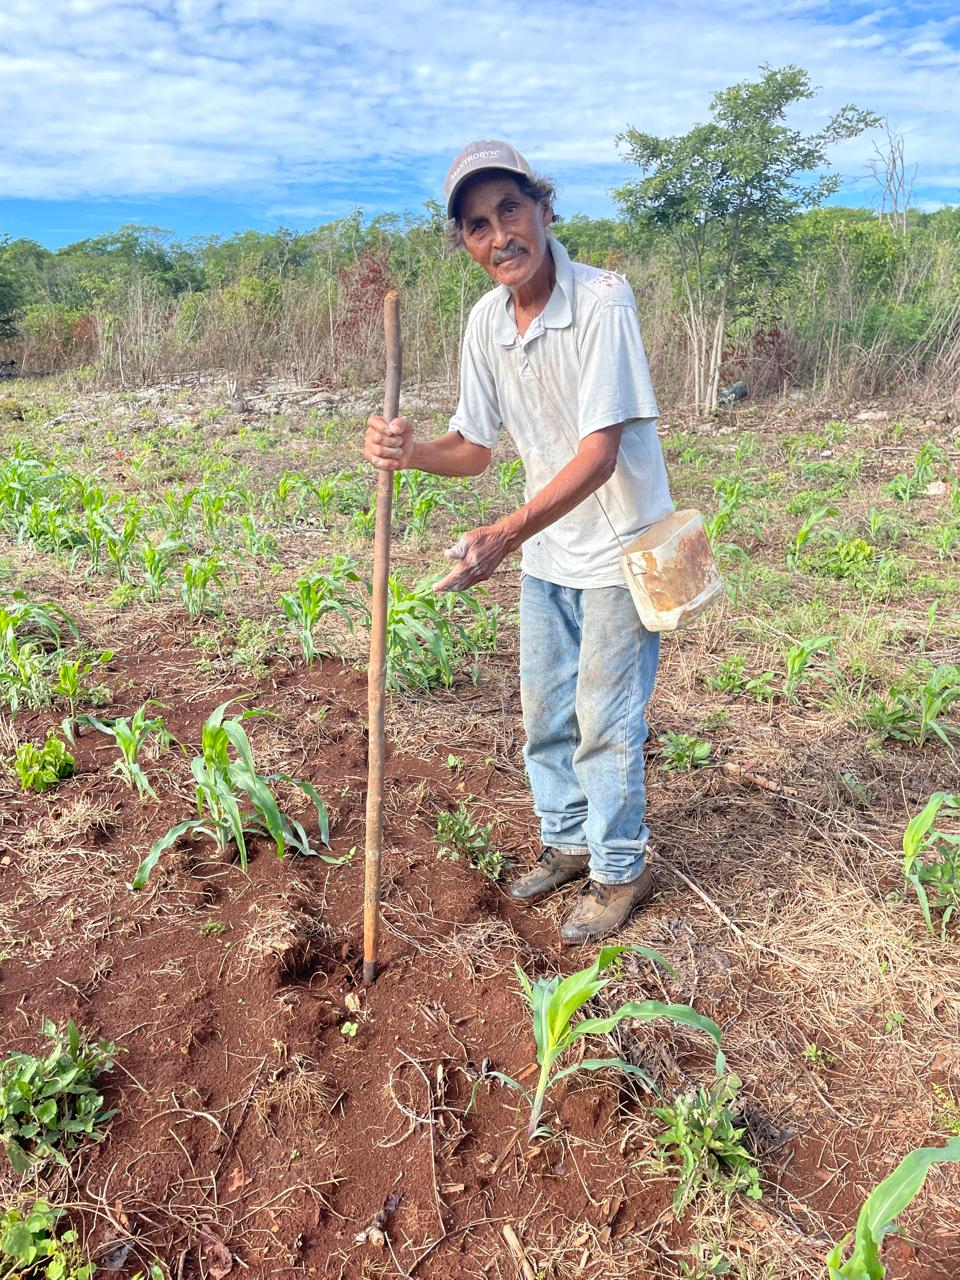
x=687 y=573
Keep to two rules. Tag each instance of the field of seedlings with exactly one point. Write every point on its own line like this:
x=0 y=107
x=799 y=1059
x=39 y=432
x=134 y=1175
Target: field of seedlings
x=196 y=1084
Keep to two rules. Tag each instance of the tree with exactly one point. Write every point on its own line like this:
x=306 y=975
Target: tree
x=726 y=184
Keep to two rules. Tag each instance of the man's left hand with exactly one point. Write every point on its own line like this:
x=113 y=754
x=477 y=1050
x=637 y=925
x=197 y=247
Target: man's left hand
x=478 y=551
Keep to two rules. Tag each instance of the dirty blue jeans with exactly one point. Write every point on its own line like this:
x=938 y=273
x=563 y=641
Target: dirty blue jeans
x=587 y=668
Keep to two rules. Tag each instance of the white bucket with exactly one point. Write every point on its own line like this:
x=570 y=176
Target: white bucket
x=671 y=572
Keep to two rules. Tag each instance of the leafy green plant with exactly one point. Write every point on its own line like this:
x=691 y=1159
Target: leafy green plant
x=129 y=737
x=554 y=1002
x=509 y=474
x=316 y=596
x=845 y=557
x=931 y=860
x=49 y=1105
x=880 y=1210
x=702 y=1133
x=913 y=718
x=224 y=782
x=459 y=836
x=200 y=575
x=40 y=768
x=31 y=1249
x=683 y=751
x=731 y=677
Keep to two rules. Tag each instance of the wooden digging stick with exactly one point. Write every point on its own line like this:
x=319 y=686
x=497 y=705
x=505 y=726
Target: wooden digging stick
x=377 y=670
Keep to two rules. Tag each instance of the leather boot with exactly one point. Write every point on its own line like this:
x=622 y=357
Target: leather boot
x=602 y=908
x=554 y=868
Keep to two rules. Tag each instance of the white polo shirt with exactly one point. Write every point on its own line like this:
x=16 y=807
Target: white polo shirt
x=579 y=367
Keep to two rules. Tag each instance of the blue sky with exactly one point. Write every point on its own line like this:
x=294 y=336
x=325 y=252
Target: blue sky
x=205 y=117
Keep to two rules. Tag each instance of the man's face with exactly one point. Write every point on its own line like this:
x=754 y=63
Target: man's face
x=504 y=230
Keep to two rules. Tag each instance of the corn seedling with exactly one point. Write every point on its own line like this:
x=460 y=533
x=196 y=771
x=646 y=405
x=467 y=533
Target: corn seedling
x=226 y=778
x=200 y=575
x=553 y=1004
x=257 y=541
x=802 y=536
x=120 y=542
x=315 y=597
x=931 y=860
x=156 y=559
x=70 y=684
x=458 y=836
x=177 y=506
x=40 y=768
x=49 y=1105
x=129 y=737
x=798 y=660
x=880 y=1210
x=701 y=1131
x=509 y=474
x=683 y=751
x=30 y=1247
x=914 y=718
x=424 y=642
x=25 y=676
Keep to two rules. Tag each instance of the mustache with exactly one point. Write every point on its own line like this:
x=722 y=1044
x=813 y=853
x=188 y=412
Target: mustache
x=512 y=250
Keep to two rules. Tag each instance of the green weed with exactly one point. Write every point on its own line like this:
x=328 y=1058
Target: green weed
x=31 y=1248
x=459 y=836
x=931 y=860
x=683 y=751
x=49 y=1105
x=40 y=768
x=702 y=1133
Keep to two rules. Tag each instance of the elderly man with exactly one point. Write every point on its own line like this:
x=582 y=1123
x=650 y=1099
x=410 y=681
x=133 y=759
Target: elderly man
x=554 y=354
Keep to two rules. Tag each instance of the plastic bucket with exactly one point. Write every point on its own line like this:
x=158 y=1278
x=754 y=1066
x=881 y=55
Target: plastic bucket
x=671 y=572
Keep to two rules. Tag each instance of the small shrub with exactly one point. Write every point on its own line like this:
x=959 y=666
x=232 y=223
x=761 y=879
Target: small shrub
x=40 y=768
x=49 y=1105
x=684 y=751
x=458 y=836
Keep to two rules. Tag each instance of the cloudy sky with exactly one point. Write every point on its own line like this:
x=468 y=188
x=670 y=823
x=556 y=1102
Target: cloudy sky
x=208 y=117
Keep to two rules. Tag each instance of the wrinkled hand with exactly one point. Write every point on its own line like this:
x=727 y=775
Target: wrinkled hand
x=478 y=551
x=388 y=445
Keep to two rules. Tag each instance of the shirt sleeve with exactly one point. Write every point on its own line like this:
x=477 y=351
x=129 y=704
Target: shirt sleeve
x=614 y=382
x=478 y=417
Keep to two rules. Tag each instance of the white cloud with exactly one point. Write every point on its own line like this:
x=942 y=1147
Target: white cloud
x=311 y=106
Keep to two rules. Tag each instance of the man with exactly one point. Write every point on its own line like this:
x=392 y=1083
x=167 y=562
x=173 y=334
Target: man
x=554 y=354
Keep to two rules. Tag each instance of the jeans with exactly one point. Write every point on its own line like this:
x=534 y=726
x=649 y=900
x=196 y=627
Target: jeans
x=587 y=669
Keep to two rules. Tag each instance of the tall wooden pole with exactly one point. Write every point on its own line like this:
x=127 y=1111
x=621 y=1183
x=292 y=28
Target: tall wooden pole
x=377 y=670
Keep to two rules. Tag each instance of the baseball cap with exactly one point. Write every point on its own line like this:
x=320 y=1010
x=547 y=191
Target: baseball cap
x=477 y=157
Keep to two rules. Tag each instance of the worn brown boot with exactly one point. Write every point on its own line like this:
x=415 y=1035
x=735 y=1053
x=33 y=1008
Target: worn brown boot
x=554 y=869
x=603 y=908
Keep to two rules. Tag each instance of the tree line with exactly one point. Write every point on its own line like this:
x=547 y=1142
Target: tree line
x=740 y=267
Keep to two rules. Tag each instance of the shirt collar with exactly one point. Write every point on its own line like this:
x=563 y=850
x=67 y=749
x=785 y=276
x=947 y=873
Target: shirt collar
x=557 y=314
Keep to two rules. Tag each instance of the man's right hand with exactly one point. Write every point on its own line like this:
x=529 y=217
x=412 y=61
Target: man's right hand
x=388 y=445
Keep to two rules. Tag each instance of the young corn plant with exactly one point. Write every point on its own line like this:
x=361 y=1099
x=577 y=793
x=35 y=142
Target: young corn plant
x=701 y=1131
x=880 y=1210
x=914 y=718
x=177 y=505
x=129 y=737
x=798 y=660
x=49 y=1105
x=40 y=768
x=156 y=559
x=200 y=575
x=315 y=597
x=70 y=684
x=234 y=801
x=120 y=542
x=802 y=536
x=426 y=646
x=553 y=1004
x=931 y=860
